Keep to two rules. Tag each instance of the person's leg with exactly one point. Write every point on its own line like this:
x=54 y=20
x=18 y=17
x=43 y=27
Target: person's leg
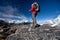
x=34 y=19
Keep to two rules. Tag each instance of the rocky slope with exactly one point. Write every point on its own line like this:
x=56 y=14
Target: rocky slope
x=25 y=31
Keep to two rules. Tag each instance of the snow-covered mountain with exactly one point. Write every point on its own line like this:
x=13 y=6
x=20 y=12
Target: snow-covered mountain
x=45 y=22
x=17 y=21
x=52 y=23
x=56 y=21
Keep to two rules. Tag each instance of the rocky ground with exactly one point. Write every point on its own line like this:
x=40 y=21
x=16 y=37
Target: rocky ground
x=28 y=32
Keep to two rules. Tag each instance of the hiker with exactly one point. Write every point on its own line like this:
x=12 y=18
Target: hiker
x=34 y=9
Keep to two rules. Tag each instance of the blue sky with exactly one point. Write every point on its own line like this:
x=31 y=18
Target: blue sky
x=19 y=9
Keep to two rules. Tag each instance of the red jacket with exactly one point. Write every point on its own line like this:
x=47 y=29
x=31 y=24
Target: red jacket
x=33 y=10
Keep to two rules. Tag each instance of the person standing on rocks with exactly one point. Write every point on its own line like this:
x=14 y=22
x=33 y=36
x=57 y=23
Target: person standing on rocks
x=34 y=9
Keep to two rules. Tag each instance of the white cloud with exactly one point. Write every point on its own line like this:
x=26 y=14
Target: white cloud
x=8 y=9
x=2 y=19
x=8 y=13
x=13 y=16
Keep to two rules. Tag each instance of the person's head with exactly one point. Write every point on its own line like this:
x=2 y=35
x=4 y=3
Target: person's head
x=35 y=4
